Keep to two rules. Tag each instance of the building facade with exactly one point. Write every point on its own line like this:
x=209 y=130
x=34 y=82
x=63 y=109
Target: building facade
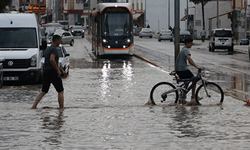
x=77 y=11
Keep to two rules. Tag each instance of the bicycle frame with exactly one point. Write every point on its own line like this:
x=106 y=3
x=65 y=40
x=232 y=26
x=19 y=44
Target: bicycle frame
x=186 y=82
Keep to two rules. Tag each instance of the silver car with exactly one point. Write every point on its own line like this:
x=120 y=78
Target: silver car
x=67 y=37
x=146 y=32
x=77 y=30
x=165 y=35
x=63 y=61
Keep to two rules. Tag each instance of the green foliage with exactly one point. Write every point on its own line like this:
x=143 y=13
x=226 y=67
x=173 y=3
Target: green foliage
x=3 y=4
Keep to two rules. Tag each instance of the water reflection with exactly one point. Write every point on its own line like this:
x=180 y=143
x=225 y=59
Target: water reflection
x=105 y=78
x=184 y=122
x=117 y=73
x=51 y=126
x=127 y=70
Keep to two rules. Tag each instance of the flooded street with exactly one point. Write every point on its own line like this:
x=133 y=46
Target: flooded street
x=105 y=109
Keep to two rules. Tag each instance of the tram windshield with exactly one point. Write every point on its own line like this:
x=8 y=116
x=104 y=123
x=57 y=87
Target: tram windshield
x=116 y=25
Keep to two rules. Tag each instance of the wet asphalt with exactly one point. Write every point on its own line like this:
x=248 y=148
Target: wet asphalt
x=105 y=108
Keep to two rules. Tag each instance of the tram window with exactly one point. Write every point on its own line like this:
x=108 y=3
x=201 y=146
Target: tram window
x=116 y=24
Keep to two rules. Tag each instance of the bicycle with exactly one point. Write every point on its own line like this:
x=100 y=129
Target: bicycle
x=207 y=93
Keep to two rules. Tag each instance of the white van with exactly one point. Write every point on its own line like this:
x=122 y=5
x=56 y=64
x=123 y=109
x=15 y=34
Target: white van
x=20 y=46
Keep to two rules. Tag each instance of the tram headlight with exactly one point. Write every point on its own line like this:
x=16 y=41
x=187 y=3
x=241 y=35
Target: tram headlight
x=127 y=41
x=104 y=41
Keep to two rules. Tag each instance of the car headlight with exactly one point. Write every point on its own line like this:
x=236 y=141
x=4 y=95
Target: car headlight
x=33 y=60
x=82 y=30
x=72 y=31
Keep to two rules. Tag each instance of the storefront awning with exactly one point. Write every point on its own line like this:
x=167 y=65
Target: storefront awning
x=184 y=18
x=43 y=16
x=135 y=16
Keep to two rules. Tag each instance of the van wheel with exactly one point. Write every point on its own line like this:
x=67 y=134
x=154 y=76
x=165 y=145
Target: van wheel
x=249 y=55
x=151 y=36
x=68 y=71
x=231 y=51
x=1 y=83
x=82 y=36
x=212 y=48
x=71 y=43
x=140 y=36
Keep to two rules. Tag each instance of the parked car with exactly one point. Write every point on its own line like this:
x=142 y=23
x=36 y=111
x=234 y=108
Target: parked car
x=63 y=61
x=244 y=42
x=49 y=36
x=146 y=32
x=184 y=35
x=221 y=39
x=67 y=37
x=165 y=35
x=137 y=30
x=1 y=71
x=77 y=30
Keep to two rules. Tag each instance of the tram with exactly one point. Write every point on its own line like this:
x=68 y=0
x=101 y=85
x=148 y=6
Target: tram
x=112 y=29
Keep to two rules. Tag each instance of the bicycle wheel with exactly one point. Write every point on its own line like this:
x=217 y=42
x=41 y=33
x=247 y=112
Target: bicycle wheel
x=212 y=95
x=159 y=93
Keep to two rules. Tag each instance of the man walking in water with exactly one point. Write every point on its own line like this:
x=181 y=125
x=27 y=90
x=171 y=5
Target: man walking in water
x=181 y=66
x=52 y=73
x=203 y=34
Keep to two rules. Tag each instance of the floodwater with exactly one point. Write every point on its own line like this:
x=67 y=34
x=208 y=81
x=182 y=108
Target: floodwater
x=105 y=110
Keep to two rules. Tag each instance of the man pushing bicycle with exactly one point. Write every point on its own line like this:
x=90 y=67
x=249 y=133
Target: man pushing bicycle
x=181 y=66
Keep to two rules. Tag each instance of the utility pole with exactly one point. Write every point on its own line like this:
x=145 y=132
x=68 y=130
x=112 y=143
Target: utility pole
x=24 y=5
x=187 y=15
x=168 y=13
x=89 y=17
x=177 y=28
x=217 y=14
x=32 y=6
x=39 y=18
x=145 y=21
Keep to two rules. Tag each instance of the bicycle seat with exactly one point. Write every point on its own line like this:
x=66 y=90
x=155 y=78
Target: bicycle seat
x=173 y=73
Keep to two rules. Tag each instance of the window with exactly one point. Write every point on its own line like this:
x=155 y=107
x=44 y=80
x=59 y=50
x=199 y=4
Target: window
x=18 y=38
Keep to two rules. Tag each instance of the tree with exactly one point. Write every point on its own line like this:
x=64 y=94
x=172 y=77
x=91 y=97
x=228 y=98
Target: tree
x=3 y=4
x=203 y=3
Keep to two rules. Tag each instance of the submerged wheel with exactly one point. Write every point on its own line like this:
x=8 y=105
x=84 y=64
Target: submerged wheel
x=71 y=43
x=158 y=93
x=212 y=95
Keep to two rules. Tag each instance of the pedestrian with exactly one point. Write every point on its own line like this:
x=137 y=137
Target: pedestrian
x=148 y=26
x=190 y=30
x=181 y=66
x=170 y=28
x=203 y=34
x=52 y=73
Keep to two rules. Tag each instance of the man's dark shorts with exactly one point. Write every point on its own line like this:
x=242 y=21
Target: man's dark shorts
x=185 y=74
x=51 y=76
